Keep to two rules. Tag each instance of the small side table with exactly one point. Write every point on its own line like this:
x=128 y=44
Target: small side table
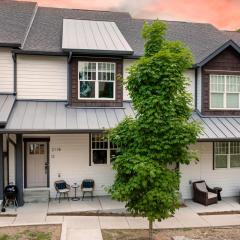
x=75 y=186
x=218 y=191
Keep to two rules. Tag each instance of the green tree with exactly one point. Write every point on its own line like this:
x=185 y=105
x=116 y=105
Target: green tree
x=160 y=134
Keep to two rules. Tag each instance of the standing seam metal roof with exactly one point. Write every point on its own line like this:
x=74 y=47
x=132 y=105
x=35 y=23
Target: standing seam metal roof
x=37 y=116
x=6 y=105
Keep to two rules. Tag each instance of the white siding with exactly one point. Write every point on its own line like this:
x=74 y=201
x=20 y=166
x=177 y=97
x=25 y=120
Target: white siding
x=6 y=71
x=190 y=74
x=71 y=163
x=126 y=64
x=199 y=89
x=41 y=77
x=228 y=179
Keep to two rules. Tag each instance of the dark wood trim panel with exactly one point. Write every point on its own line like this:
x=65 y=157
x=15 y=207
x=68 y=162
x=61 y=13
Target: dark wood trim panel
x=27 y=140
x=226 y=63
x=74 y=101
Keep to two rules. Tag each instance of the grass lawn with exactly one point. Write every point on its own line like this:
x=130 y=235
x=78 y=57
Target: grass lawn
x=220 y=233
x=41 y=232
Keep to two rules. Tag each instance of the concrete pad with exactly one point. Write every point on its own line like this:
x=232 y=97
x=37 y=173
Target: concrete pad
x=107 y=203
x=5 y=221
x=113 y=223
x=191 y=220
x=33 y=208
x=222 y=220
x=171 y=222
x=82 y=222
x=54 y=219
x=83 y=234
x=138 y=223
x=30 y=218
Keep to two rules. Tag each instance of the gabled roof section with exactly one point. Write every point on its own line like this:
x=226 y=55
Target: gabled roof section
x=15 y=18
x=94 y=37
x=229 y=43
x=6 y=105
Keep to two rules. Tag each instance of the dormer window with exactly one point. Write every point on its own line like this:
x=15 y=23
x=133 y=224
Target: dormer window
x=225 y=92
x=96 y=80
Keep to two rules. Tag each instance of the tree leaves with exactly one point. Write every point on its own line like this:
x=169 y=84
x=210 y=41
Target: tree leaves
x=160 y=134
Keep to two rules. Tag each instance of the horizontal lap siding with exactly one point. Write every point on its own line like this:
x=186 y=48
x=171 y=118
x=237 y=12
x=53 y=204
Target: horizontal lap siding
x=72 y=162
x=6 y=71
x=41 y=77
x=228 y=179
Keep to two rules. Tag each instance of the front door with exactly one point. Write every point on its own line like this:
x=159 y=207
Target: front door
x=36 y=164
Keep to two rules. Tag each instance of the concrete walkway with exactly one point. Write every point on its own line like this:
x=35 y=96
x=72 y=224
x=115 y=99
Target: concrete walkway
x=89 y=227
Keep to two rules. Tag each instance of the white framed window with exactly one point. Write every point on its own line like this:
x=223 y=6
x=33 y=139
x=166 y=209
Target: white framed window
x=224 y=91
x=102 y=150
x=226 y=155
x=96 y=80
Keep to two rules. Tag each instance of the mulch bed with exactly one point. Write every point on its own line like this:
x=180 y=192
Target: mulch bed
x=218 y=233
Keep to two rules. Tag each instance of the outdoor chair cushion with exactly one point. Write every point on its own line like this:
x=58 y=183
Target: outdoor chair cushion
x=87 y=189
x=202 y=187
x=63 y=190
x=61 y=185
x=87 y=183
x=211 y=195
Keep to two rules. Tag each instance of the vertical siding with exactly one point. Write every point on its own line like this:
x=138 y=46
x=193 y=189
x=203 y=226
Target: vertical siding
x=11 y=163
x=41 y=77
x=228 y=179
x=6 y=71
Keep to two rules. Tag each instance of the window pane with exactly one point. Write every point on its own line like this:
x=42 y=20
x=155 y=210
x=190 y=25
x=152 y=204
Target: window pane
x=221 y=161
x=217 y=83
x=217 y=100
x=221 y=147
x=232 y=100
x=105 y=89
x=87 y=89
x=234 y=161
x=100 y=156
x=234 y=147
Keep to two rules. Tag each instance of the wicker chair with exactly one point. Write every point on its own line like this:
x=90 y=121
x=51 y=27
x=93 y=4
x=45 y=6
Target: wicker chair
x=62 y=188
x=204 y=194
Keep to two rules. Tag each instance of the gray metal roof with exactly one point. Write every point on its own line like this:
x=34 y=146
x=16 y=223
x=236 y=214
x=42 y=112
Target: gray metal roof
x=43 y=116
x=6 y=105
x=34 y=116
x=85 y=36
x=218 y=128
x=15 y=18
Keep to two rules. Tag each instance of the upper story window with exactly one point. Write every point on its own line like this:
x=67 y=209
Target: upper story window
x=227 y=154
x=97 y=80
x=224 y=92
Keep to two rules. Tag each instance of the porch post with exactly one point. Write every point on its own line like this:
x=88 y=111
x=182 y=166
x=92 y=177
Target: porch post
x=19 y=168
x=1 y=167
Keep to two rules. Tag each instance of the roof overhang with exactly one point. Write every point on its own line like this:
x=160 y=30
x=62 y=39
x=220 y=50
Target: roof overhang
x=94 y=37
x=227 y=44
x=6 y=106
x=10 y=45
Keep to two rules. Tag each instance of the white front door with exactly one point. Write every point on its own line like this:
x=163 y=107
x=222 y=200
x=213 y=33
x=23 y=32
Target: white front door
x=36 y=164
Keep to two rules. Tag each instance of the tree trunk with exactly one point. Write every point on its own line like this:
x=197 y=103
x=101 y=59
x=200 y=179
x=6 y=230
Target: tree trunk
x=150 y=230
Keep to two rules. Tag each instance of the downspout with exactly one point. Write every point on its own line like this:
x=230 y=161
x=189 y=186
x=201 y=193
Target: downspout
x=14 y=56
x=69 y=78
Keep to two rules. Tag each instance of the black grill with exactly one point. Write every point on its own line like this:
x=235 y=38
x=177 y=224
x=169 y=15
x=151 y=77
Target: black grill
x=10 y=192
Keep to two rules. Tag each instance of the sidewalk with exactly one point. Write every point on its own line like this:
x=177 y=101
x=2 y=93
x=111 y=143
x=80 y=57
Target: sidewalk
x=89 y=227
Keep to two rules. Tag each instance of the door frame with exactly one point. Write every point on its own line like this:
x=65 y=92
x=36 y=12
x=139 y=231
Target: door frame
x=26 y=141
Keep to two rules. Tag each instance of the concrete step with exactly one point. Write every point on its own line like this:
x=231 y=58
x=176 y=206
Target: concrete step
x=33 y=196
